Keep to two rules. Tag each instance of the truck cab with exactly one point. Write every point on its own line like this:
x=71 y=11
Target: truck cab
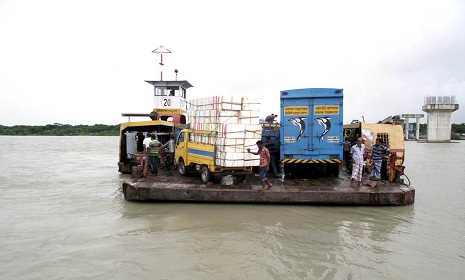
x=197 y=152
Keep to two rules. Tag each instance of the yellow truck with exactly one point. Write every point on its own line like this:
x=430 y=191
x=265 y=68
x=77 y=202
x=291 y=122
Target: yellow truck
x=198 y=151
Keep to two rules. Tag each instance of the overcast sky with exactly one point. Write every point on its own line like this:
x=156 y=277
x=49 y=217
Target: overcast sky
x=85 y=61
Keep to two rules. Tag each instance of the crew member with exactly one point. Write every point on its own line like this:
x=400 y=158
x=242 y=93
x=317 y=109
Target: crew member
x=153 y=150
x=270 y=118
x=264 y=164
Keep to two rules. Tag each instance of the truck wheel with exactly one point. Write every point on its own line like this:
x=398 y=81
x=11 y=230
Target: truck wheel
x=181 y=168
x=205 y=174
x=334 y=170
x=241 y=178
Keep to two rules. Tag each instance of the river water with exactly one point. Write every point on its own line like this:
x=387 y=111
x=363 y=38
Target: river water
x=63 y=216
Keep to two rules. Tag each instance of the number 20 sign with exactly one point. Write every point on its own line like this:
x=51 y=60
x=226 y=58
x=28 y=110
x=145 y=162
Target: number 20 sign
x=166 y=102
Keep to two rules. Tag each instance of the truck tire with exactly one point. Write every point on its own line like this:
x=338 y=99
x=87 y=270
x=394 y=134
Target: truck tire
x=241 y=178
x=182 y=168
x=205 y=174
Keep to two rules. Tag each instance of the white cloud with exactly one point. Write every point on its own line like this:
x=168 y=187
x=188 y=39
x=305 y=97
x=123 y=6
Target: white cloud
x=85 y=61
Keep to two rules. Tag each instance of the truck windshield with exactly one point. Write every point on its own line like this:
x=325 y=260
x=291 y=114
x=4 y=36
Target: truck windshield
x=180 y=138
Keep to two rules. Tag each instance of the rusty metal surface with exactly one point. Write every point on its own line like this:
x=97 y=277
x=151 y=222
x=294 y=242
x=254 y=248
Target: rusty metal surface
x=169 y=186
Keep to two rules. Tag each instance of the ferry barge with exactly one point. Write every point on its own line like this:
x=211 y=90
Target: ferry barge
x=310 y=149
x=169 y=186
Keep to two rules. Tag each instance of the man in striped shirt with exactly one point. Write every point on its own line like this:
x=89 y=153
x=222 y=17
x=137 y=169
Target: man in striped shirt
x=153 y=154
x=377 y=152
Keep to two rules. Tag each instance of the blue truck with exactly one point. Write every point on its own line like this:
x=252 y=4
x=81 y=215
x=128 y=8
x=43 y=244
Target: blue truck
x=311 y=132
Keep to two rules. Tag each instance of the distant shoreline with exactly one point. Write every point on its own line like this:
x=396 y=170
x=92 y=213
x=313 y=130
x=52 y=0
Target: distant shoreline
x=57 y=129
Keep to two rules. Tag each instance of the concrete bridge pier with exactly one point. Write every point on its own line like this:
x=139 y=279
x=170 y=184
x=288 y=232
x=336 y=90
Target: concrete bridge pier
x=406 y=123
x=439 y=109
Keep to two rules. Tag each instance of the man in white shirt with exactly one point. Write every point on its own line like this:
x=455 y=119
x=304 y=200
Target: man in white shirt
x=170 y=145
x=146 y=142
x=357 y=153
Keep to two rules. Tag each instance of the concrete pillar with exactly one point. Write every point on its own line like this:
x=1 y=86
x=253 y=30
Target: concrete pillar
x=417 y=129
x=406 y=125
x=417 y=117
x=439 y=121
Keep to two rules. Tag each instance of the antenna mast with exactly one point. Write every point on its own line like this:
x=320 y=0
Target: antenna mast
x=161 y=50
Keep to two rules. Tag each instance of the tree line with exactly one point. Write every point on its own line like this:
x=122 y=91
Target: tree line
x=58 y=129
x=456 y=130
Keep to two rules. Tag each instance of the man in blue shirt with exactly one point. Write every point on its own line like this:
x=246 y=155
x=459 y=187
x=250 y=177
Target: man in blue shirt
x=377 y=152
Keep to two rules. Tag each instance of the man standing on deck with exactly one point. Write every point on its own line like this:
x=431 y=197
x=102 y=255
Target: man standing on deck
x=146 y=143
x=377 y=152
x=357 y=153
x=153 y=150
x=170 y=145
x=271 y=146
x=346 y=153
x=264 y=164
x=148 y=139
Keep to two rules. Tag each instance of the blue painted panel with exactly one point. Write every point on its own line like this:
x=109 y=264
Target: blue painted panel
x=311 y=123
x=201 y=153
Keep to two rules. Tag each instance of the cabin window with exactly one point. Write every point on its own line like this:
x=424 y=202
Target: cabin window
x=183 y=93
x=180 y=138
x=140 y=139
x=383 y=137
x=167 y=91
x=159 y=91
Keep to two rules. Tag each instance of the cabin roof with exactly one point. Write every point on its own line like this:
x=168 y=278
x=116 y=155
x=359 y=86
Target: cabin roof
x=184 y=84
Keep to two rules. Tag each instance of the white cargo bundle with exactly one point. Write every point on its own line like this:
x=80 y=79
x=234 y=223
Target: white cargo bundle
x=229 y=103
x=230 y=156
x=249 y=117
x=230 y=142
x=229 y=163
x=252 y=162
x=234 y=122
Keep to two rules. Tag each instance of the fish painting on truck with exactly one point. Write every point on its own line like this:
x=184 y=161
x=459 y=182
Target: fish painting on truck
x=311 y=135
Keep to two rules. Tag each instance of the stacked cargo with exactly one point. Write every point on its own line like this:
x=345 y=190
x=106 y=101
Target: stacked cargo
x=234 y=123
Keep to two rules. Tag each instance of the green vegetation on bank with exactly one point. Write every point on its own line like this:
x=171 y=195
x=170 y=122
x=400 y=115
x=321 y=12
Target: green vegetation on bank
x=456 y=130
x=58 y=129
